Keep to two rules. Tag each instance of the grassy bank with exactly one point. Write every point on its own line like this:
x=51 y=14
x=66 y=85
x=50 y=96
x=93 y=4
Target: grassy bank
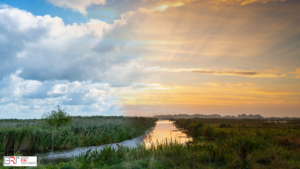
x=35 y=134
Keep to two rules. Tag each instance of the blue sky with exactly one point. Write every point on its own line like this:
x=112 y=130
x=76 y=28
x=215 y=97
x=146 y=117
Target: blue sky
x=147 y=57
x=69 y=16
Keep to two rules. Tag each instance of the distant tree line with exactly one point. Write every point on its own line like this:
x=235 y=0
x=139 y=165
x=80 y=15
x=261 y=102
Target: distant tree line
x=240 y=116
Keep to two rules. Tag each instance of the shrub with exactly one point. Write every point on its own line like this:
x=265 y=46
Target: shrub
x=57 y=118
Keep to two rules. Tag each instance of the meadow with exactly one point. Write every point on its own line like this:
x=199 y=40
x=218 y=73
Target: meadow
x=36 y=135
x=217 y=143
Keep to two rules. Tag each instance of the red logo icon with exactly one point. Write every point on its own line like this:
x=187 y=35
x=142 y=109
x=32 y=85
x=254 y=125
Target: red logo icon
x=13 y=159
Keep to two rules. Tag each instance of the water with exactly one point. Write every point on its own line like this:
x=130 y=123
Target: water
x=163 y=131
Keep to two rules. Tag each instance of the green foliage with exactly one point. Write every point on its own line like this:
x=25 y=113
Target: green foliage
x=57 y=118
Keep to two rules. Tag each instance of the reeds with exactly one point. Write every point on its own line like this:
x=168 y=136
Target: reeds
x=82 y=132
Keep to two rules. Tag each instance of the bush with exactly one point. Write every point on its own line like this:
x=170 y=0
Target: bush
x=57 y=118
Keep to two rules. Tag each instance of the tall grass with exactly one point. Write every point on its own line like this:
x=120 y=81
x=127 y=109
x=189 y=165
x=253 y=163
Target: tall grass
x=196 y=155
x=32 y=135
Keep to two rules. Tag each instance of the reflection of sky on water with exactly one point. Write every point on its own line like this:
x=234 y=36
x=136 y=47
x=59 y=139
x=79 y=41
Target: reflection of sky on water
x=164 y=131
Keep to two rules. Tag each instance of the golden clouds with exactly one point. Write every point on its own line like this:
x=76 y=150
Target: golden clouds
x=252 y=74
x=211 y=93
x=245 y=2
x=161 y=8
x=240 y=84
x=259 y=1
x=161 y=5
x=272 y=92
x=297 y=73
x=230 y=73
x=195 y=31
x=212 y=84
x=164 y=4
x=200 y=56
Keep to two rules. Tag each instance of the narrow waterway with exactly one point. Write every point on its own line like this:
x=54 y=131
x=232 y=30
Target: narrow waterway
x=163 y=131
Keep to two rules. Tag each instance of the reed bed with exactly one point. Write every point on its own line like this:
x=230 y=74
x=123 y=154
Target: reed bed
x=36 y=135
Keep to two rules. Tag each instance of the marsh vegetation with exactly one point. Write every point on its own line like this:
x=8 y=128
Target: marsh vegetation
x=37 y=135
x=217 y=143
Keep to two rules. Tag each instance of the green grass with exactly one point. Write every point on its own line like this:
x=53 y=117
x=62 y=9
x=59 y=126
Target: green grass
x=35 y=134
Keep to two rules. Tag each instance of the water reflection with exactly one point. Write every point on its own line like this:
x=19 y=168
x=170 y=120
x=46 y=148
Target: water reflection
x=163 y=131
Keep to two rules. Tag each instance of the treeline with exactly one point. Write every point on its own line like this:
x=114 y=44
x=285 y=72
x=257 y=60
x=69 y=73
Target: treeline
x=97 y=116
x=240 y=116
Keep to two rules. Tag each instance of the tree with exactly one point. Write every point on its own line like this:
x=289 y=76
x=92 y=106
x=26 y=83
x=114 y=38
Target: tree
x=57 y=118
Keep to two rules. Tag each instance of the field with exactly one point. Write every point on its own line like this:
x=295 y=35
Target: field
x=218 y=143
x=36 y=135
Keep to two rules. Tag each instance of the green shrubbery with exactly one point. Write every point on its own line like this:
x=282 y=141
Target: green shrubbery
x=57 y=118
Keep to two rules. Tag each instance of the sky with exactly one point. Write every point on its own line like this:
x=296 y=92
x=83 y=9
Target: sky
x=149 y=57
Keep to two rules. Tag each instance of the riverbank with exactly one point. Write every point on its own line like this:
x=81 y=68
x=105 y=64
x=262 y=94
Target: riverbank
x=36 y=135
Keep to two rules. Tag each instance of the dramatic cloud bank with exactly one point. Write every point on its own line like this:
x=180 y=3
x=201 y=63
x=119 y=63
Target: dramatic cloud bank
x=46 y=63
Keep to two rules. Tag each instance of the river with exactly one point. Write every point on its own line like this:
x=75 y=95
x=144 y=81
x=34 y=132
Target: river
x=163 y=131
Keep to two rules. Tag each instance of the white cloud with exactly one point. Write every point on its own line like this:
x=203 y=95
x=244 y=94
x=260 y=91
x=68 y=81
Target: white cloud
x=81 y=93
x=77 y=5
x=64 y=88
x=30 y=99
x=47 y=49
x=15 y=87
x=95 y=94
